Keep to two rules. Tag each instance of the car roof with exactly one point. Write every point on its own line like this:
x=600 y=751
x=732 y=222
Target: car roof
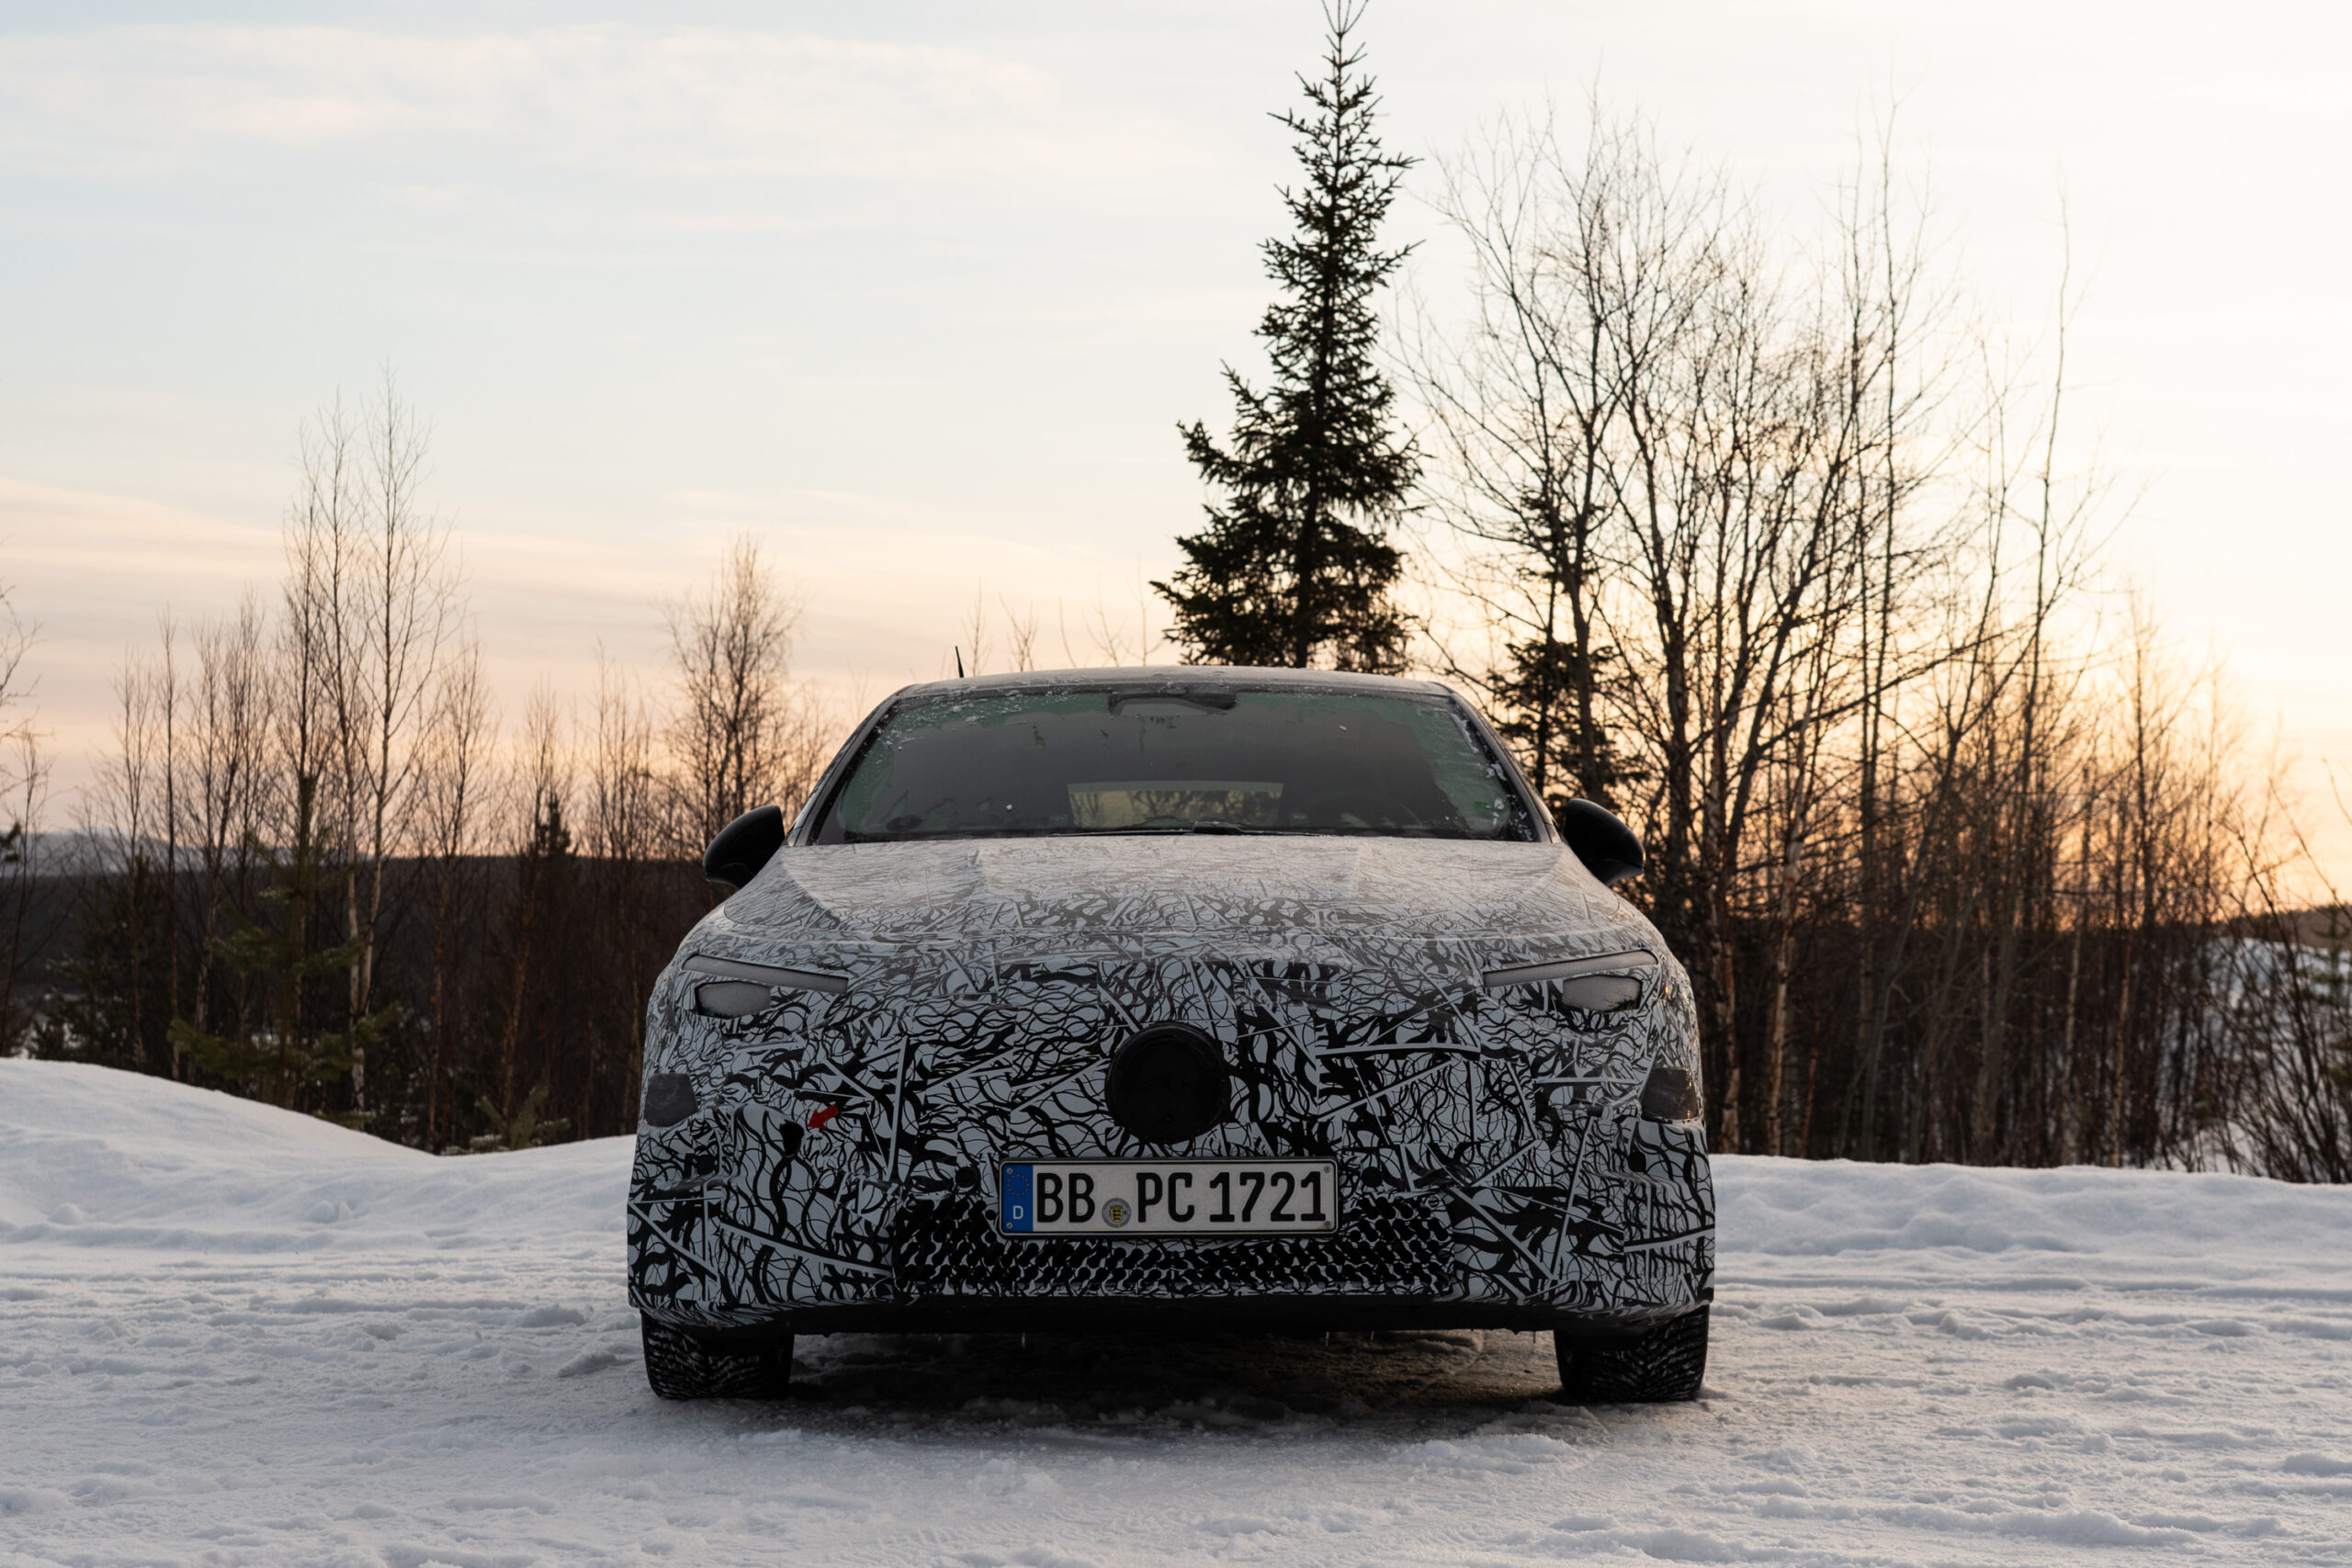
x=1176 y=678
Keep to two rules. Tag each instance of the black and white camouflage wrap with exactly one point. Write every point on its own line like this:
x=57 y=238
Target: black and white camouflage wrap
x=1494 y=1168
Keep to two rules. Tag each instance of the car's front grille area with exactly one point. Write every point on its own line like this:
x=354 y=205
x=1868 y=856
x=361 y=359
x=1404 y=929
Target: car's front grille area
x=1385 y=1246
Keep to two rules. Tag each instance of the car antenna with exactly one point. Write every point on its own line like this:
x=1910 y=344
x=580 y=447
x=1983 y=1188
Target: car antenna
x=959 y=663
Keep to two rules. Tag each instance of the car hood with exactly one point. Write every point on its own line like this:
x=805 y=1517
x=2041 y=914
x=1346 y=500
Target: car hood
x=1231 y=890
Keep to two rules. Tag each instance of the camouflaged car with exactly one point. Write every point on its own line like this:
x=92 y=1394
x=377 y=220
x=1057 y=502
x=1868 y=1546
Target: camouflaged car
x=1206 y=996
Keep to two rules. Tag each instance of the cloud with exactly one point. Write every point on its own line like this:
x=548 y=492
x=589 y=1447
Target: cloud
x=547 y=591
x=153 y=101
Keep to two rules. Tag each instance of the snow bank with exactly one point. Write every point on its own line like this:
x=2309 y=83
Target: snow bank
x=97 y=1157
x=1786 y=1207
x=94 y=1157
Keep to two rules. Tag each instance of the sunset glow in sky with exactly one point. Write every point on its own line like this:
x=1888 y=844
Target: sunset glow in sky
x=917 y=293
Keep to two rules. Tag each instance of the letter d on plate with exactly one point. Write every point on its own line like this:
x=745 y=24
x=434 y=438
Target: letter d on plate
x=1020 y=1209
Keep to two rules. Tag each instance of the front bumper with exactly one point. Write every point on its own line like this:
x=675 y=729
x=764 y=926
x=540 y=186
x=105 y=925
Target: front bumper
x=1629 y=1241
x=839 y=1166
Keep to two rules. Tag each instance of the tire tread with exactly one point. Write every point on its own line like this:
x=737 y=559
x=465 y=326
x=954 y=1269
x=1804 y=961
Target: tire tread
x=1665 y=1364
x=680 y=1366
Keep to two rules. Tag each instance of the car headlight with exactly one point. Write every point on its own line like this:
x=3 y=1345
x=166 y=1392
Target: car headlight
x=738 y=989
x=1607 y=983
x=733 y=998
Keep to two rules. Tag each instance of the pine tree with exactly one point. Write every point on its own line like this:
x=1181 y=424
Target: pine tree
x=1294 y=566
x=1544 y=695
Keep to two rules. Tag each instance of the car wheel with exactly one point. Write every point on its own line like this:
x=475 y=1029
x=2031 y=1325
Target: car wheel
x=681 y=1366
x=1663 y=1363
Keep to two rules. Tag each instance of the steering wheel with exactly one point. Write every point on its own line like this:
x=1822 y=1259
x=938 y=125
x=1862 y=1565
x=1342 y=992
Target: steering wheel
x=1368 y=807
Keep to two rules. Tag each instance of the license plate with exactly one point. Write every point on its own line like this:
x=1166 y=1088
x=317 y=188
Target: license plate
x=1136 y=1197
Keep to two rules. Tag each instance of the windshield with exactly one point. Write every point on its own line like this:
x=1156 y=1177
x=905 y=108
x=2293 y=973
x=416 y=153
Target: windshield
x=1216 y=760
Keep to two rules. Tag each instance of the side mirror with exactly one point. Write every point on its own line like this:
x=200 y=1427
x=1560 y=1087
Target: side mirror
x=745 y=844
x=1608 y=848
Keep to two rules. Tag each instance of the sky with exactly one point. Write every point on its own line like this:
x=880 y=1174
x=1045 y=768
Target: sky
x=917 y=294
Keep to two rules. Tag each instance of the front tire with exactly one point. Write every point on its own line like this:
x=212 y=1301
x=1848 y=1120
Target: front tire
x=1661 y=1364
x=679 y=1365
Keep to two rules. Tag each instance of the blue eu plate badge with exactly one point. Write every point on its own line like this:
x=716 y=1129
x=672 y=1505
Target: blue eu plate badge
x=1020 y=1207
x=1137 y=1197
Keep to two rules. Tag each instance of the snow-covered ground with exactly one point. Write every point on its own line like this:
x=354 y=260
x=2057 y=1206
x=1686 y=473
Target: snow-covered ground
x=235 y=1335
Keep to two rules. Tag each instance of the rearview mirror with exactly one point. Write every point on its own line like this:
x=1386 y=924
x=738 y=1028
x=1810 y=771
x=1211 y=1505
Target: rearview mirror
x=744 y=845
x=1608 y=848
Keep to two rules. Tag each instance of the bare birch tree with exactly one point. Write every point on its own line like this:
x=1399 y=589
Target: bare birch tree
x=626 y=836
x=741 y=734
x=228 y=781
x=397 y=626
x=454 y=780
